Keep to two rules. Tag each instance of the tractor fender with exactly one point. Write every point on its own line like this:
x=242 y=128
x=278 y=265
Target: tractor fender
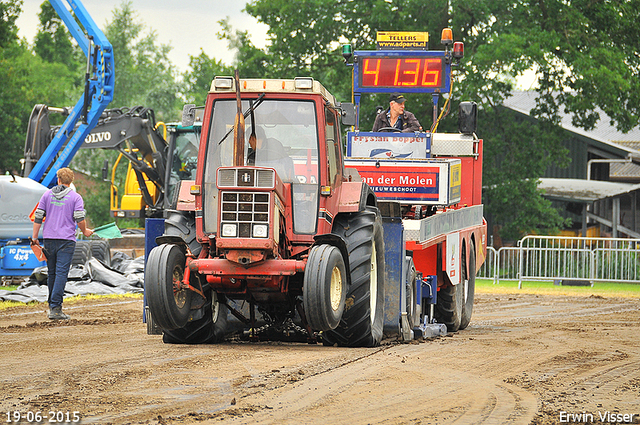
x=172 y=240
x=339 y=242
x=367 y=198
x=184 y=200
x=356 y=197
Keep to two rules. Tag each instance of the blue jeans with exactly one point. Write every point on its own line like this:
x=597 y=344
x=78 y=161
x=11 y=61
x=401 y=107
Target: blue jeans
x=59 y=254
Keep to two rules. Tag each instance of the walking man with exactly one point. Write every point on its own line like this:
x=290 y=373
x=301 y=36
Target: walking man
x=396 y=117
x=59 y=210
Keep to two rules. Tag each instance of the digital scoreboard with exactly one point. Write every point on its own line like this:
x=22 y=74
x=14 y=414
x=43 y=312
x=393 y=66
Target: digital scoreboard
x=404 y=72
x=401 y=72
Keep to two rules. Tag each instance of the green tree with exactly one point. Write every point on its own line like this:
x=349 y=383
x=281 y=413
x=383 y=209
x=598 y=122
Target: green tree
x=144 y=74
x=516 y=153
x=305 y=39
x=197 y=80
x=250 y=61
x=53 y=41
x=584 y=55
x=26 y=80
x=9 y=49
x=9 y=13
x=585 y=51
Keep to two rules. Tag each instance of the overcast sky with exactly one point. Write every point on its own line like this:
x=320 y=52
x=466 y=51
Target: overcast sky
x=186 y=25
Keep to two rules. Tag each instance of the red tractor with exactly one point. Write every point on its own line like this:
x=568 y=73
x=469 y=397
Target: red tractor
x=274 y=222
x=385 y=240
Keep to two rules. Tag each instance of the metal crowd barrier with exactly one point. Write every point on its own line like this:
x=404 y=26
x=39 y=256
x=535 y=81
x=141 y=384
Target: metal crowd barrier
x=565 y=258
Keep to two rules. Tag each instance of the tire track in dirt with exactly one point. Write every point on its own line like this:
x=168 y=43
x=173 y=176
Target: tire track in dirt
x=501 y=404
x=370 y=385
x=521 y=361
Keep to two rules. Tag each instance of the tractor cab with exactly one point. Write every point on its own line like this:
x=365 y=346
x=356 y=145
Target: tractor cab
x=288 y=126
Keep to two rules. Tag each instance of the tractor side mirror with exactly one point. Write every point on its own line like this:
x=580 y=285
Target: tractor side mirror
x=348 y=111
x=468 y=117
x=188 y=115
x=105 y=171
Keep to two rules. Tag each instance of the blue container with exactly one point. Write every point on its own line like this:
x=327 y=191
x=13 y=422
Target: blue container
x=153 y=227
x=394 y=258
x=18 y=260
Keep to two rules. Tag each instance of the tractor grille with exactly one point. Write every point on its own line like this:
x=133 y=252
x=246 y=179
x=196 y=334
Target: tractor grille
x=245 y=215
x=233 y=177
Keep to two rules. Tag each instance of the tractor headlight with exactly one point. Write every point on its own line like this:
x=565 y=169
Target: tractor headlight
x=260 y=231
x=229 y=230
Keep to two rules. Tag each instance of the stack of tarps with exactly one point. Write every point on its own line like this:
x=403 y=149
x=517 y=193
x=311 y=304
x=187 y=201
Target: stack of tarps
x=124 y=275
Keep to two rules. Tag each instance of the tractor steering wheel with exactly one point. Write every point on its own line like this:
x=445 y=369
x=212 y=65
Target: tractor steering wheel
x=390 y=129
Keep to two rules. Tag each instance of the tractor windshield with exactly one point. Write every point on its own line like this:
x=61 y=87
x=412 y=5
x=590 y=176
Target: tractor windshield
x=286 y=140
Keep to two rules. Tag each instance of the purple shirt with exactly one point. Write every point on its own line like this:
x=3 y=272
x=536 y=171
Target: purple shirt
x=62 y=209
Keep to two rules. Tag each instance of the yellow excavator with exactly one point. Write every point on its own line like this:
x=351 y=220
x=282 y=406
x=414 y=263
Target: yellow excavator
x=159 y=155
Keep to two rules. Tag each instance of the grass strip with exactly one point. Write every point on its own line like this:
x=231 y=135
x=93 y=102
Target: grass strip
x=67 y=301
x=536 y=287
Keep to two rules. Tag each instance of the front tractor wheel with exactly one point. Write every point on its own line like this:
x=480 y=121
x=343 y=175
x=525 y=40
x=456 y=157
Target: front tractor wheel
x=325 y=287
x=169 y=304
x=362 y=320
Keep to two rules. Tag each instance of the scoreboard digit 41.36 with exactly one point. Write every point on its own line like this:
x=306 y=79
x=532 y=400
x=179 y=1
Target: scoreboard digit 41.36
x=402 y=72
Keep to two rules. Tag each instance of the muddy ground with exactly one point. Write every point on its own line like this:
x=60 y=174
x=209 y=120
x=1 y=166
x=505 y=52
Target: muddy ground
x=524 y=359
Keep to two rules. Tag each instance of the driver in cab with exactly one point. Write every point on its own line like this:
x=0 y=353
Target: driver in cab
x=396 y=118
x=269 y=152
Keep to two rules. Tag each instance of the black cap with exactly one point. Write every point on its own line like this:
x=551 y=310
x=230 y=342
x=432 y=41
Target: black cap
x=396 y=97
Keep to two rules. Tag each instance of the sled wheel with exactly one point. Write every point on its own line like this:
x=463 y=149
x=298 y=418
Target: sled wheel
x=169 y=304
x=411 y=297
x=101 y=251
x=362 y=320
x=210 y=329
x=324 y=288
x=469 y=288
x=449 y=304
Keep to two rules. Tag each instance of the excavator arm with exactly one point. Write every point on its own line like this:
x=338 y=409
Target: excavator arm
x=99 y=84
x=133 y=132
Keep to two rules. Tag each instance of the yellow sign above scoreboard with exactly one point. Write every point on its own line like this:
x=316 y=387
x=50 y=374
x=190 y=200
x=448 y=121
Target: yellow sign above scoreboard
x=409 y=40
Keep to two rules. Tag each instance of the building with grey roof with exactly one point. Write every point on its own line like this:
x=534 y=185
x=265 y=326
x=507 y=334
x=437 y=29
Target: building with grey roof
x=604 y=154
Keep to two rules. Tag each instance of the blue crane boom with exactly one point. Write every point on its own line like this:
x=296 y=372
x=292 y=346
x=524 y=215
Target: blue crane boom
x=98 y=92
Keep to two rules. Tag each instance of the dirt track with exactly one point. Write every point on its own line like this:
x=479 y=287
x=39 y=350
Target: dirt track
x=523 y=360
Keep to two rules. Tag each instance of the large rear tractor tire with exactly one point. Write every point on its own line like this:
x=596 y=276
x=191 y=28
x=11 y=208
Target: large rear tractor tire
x=362 y=320
x=170 y=305
x=411 y=294
x=210 y=329
x=469 y=288
x=324 y=287
x=449 y=304
x=101 y=250
x=81 y=253
x=183 y=224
